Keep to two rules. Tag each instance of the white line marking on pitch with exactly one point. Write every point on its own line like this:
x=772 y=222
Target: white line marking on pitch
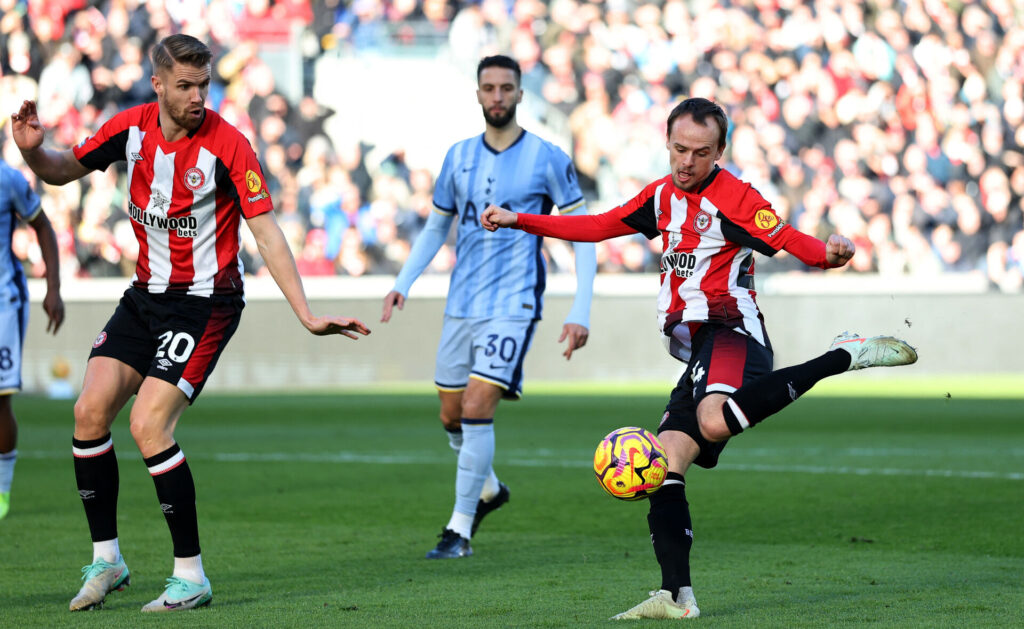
x=409 y=459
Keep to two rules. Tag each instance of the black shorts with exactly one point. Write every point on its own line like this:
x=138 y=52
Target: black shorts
x=723 y=360
x=174 y=337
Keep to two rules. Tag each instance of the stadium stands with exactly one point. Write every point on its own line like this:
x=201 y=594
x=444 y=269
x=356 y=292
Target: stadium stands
x=899 y=123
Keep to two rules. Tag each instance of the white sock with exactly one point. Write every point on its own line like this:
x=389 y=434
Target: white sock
x=190 y=568
x=491 y=487
x=454 y=439
x=108 y=551
x=7 y=460
x=474 y=465
x=461 y=523
x=685 y=594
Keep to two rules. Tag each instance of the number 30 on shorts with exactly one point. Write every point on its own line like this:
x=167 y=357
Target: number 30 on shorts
x=176 y=346
x=504 y=348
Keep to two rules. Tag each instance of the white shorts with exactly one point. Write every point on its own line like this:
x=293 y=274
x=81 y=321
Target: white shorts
x=13 y=324
x=491 y=350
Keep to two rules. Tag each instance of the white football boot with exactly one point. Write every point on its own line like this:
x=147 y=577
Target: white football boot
x=876 y=351
x=181 y=594
x=101 y=578
x=661 y=605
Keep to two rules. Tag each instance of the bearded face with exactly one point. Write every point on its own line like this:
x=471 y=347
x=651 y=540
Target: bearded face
x=181 y=92
x=499 y=117
x=498 y=94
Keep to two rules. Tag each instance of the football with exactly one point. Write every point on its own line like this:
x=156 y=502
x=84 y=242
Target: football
x=630 y=463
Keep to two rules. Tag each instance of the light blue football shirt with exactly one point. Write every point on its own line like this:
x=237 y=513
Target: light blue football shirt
x=501 y=273
x=17 y=200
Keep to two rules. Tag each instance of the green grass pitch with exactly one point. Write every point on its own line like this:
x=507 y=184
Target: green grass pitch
x=316 y=511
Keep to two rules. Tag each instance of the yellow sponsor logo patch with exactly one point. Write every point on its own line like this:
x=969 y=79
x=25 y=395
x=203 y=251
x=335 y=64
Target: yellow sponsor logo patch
x=253 y=181
x=766 y=219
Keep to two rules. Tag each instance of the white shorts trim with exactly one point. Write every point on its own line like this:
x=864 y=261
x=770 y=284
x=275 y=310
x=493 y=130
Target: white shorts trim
x=186 y=387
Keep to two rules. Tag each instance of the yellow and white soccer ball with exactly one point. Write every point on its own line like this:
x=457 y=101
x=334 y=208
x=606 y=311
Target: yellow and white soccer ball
x=630 y=463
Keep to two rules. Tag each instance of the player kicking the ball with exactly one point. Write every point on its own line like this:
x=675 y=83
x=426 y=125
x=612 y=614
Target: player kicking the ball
x=192 y=177
x=710 y=223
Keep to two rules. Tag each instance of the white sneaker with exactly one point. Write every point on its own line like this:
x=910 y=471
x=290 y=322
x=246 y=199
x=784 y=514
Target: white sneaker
x=661 y=605
x=877 y=351
x=101 y=578
x=181 y=594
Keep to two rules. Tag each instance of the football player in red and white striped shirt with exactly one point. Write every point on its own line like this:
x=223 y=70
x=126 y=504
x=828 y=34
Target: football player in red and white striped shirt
x=710 y=224
x=192 y=178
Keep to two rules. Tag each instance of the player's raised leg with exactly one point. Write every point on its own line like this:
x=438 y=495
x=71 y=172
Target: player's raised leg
x=108 y=385
x=758 y=399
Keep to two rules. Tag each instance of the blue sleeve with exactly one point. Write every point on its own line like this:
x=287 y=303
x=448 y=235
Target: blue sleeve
x=427 y=244
x=26 y=202
x=563 y=185
x=444 y=186
x=586 y=269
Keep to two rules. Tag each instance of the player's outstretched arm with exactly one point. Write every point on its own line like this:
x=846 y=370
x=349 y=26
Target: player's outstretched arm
x=495 y=217
x=279 y=260
x=54 y=167
x=53 y=305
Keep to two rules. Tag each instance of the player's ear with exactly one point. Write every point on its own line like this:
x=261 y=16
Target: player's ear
x=157 y=85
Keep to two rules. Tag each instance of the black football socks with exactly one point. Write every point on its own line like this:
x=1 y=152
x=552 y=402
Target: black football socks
x=177 y=494
x=97 y=478
x=762 y=398
x=671 y=533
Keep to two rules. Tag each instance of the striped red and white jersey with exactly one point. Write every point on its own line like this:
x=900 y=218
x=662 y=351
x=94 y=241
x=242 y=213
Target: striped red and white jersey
x=708 y=240
x=185 y=198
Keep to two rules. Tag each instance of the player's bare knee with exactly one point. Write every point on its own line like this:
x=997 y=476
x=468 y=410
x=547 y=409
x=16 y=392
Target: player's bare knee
x=92 y=418
x=712 y=423
x=451 y=423
x=151 y=434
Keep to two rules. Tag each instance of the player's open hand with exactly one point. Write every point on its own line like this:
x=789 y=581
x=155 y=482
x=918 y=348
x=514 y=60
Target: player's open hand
x=577 y=336
x=495 y=217
x=53 y=305
x=324 y=326
x=839 y=250
x=26 y=129
x=392 y=299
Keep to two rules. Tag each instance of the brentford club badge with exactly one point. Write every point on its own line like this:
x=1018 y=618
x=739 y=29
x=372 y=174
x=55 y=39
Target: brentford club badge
x=101 y=339
x=194 y=178
x=702 y=221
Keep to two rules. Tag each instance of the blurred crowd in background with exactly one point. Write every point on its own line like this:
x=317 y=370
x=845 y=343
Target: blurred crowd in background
x=899 y=124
